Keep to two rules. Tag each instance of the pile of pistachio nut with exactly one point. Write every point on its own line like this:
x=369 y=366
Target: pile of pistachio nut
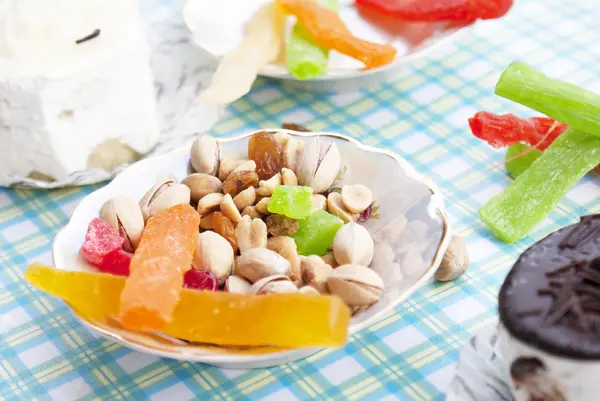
x=266 y=259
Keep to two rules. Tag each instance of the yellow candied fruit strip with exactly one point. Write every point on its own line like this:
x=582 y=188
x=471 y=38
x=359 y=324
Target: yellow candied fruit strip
x=222 y=318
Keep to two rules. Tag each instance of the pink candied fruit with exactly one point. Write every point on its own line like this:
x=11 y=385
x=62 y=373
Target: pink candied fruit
x=103 y=248
x=200 y=280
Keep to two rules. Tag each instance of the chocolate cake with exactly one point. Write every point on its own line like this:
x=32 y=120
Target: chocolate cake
x=551 y=297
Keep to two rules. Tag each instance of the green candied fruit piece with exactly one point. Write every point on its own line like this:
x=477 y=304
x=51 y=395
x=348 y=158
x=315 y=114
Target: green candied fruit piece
x=514 y=212
x=293 y=202
x=517 y=165
x=316 y=232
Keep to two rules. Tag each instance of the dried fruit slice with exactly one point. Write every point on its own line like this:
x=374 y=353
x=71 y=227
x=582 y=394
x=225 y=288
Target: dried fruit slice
x=163 y=256
x=261 y=45
x=328 y=30
x=316 y=233
x=103 y=248
x=293 y=202
x=226 y=229
x=238 y=181
x=266 y=153
x=280 y=320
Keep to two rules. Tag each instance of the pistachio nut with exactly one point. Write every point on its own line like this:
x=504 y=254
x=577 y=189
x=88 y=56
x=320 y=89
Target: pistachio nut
x=214 y=253
x=356 y=285
x=455 y=261
x=288 y=177
x=209 y=203
x=251 y=234
x=286 y=247
x=266 y=187
x=291 y=152
x=246 y=165
x=257 y=263
x=205 y=155
x=352 y=244
x=319 y=202
x=335 y=206
x=206 y=221
x=245 y=199
x=226 y=167
x=356 y=198
x=318 y=164
x=277 y=284
x=163 y=195
x=125 y=216
x=229 y=209
x=308 y=290
x=251 y=212
x=315 y=272
x=237 y=284
x=262 y=206
x=201 y=184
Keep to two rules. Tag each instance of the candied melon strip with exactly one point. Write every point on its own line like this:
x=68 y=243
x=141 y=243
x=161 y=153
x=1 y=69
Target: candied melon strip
x=222 y=318
x=164 y=254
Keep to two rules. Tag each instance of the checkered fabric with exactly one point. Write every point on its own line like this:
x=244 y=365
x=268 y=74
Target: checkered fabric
x=46 y=354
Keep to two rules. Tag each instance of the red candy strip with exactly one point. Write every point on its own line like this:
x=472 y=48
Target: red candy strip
x=500 y=131
x=103 y=248
x=438 y=10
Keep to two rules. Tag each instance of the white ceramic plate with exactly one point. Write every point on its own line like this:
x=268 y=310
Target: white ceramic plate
x=218 y=26
x=411 y=235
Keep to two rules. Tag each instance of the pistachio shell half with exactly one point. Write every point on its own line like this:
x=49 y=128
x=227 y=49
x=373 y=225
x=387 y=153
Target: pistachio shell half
x=201 y=184
x=205 y=155
x=125 y=216
x=318 y=164
x=214 y=253
x=277 y=284
x=165 y=194
x=356 y=285
x=257 y=263
x=237 y=285
x=353 y=244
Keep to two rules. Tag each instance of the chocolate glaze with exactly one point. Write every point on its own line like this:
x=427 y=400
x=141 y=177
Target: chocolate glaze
x=551 y=297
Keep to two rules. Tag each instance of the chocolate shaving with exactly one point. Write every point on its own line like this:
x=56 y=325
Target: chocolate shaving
x=529 y=312
x=91 y=36
x=558 y=270
x=575 y=290
x=582 y=233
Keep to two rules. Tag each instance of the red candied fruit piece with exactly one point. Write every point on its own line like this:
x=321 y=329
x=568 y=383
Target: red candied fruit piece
x=103 y=248
x=438 y=10
x=200 y=280
x=505 y=130
x=117 y=262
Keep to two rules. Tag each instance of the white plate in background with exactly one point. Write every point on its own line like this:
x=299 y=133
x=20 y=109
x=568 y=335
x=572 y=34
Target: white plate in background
x=218 y=26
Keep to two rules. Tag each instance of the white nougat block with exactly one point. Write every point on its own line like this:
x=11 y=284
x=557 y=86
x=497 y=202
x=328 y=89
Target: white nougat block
x=56 y=109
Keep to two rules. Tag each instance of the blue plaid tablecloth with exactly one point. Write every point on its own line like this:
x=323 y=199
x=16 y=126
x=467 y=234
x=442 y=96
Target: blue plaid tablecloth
x=45 y=354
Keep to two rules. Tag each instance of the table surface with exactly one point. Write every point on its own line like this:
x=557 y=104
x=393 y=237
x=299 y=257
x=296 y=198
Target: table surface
x=46 y=354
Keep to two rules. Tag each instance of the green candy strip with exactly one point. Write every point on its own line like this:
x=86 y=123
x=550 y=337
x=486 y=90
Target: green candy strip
x=517 y=165
x=304 y=58
x=570 y=104
x=513 y=213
